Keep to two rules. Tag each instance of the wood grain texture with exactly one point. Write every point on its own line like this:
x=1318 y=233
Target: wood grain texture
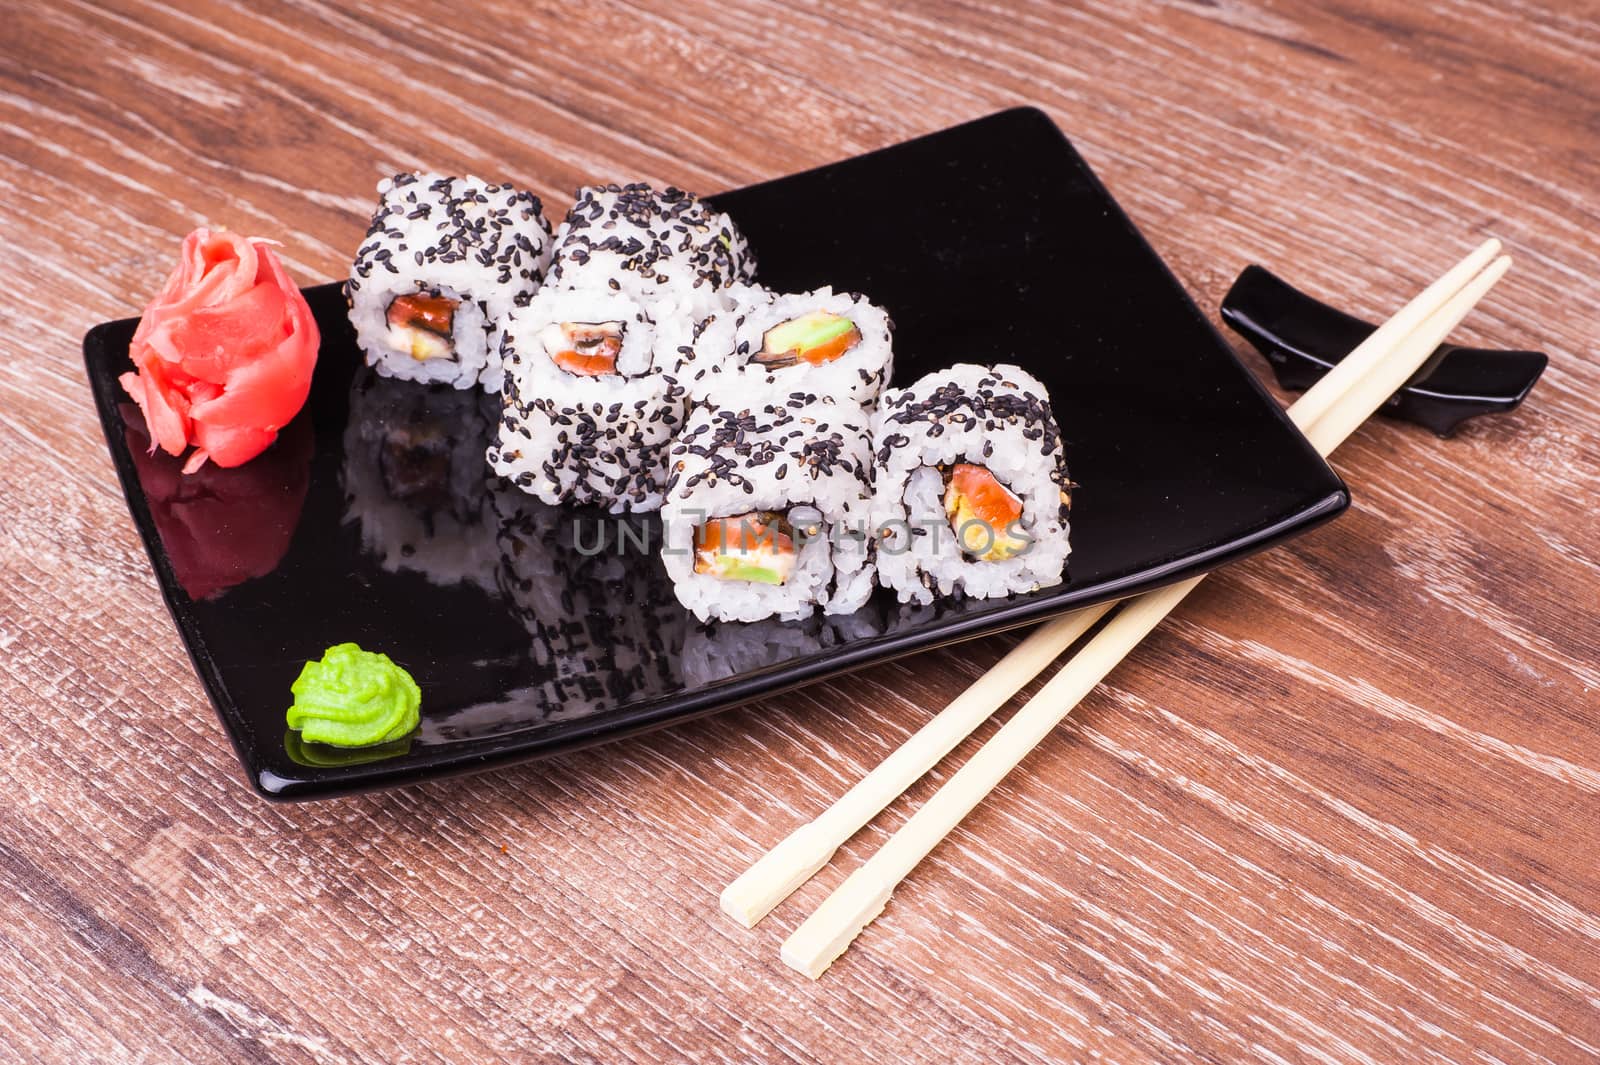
x=1343 y=808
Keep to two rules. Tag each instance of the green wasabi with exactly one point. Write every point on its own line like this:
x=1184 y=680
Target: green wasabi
x=354 y=698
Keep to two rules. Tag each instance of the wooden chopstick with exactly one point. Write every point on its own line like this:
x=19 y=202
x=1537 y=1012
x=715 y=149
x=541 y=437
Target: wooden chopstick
x=862 y=896
x=808 y=848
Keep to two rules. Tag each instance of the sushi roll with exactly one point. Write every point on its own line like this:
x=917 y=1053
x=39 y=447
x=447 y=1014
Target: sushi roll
x=591 y=398
x=970 y=490
x=668 y=245
x=771 y=344
x=444 y=261
x=414 y=479
x=766 y=510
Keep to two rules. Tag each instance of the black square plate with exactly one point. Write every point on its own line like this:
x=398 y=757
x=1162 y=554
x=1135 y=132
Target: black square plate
x=989 y=242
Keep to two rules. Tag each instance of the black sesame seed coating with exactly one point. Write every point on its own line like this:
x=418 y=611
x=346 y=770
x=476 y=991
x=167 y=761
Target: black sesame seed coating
x=452 y=220
x=611 y=454
x=654 y=236
x=814 y=439
x=994 y=401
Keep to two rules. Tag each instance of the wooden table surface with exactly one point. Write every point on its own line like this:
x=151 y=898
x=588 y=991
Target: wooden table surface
x=1343 y=807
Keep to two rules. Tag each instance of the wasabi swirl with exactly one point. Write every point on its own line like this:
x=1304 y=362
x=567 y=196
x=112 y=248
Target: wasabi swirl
x=354 y=698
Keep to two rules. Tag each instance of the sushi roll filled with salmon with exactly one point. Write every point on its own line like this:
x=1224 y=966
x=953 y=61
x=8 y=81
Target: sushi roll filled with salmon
x=766 y=510
x=771 y=344
x=971 y=490
x=658 y=246
x=444 y=262
x=591 y=399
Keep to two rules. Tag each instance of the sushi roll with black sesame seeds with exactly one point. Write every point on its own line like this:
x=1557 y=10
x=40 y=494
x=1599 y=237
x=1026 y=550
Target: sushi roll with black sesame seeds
x=835 y=344
x=444 y=261
x=970 y=490
x=766 y=510
x=591 y=401
x=414 y=480
x=656 y=245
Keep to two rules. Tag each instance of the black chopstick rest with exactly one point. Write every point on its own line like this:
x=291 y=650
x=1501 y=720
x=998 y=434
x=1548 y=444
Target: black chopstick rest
x=1303 y=338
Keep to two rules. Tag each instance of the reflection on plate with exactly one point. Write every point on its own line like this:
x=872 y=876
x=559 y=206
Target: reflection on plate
x=415 y=481
x=222 y=526
x=322 y=756
x=526 y=640
x=594 y=599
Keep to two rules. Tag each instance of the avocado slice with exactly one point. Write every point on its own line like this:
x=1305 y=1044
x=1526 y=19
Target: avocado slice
x=815 y=337
x=753 y=568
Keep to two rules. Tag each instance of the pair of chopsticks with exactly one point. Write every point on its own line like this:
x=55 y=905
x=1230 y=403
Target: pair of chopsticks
x=1328 y=413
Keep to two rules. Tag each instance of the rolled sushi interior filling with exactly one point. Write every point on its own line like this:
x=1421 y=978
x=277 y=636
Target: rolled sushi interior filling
x=814 y=338
x=422 y=325
x=757 y=546
x=586 y=349
x=983 y=513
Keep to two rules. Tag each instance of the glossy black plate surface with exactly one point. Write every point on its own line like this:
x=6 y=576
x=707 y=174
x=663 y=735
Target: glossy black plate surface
x=524 y=645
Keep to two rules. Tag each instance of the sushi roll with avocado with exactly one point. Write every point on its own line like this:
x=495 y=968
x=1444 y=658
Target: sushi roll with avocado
x=970 y=490
x=444 y=261
x=766 y=510
x=592 y=390
x=771 y=344
x=658 y=246
x=591 y=398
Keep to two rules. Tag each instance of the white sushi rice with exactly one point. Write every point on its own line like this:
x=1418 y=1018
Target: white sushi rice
x=721 y=366
x=998 y=417
x=483 y=245
x=656 y=245
x=646 y=348
x=595 y=440
x=804 y=451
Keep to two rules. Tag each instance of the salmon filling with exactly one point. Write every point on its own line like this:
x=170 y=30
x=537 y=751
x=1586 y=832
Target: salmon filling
x=758 y=546
x=981 y=511
x=588 y=349
x=422 y=326
x=814 y=339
